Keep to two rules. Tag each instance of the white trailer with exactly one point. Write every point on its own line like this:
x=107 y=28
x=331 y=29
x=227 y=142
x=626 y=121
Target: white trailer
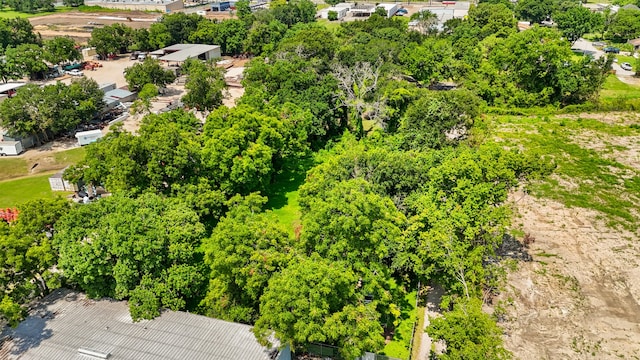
x=88 y=137
x=10 y=148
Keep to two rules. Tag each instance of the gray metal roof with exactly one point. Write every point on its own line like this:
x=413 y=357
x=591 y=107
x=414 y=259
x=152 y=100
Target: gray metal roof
x=192 y=51
x=66 y=321
x=118 y=93
x=10 y=86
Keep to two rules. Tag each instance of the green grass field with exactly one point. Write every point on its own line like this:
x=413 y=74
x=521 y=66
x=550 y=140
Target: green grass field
x=13 y=167
x=7 y=13
x=592 y=170
x=615 y=89
x=17 y=191
x=283 y=195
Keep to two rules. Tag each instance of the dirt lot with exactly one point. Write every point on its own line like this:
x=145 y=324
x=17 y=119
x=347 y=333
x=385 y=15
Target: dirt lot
x=579 y=297
x=79 y=25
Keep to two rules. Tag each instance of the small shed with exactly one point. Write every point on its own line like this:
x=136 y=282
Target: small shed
x=88 y=137
x=107 y=87
x=635 y=43
x=57 y=183
x=10 y=148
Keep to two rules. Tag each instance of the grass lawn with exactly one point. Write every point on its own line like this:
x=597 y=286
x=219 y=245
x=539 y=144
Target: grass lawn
x=7 y=13
x=13 y=167
x=613 y=88
x=17 y=191
x=624 y=58
x=331 y=25
x=398 y=347
x=591 y=171
x=283 y=195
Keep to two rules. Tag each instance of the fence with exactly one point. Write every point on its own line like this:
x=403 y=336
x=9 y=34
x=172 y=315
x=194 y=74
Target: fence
x=325 y=351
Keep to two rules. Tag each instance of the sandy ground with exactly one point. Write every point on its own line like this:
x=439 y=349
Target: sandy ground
x=579 y=296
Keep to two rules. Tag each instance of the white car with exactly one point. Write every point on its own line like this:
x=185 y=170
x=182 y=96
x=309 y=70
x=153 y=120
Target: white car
x=75 y=72
x=626 y=66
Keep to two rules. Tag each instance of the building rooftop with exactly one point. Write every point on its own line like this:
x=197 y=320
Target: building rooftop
x=66 y=322
x=182 y=52
x=118 y=93
x=10 y=86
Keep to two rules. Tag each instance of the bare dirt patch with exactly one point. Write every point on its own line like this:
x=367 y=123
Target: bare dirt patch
x=579 y=297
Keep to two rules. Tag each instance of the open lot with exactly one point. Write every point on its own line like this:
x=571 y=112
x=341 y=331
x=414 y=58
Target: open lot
x=578 y=297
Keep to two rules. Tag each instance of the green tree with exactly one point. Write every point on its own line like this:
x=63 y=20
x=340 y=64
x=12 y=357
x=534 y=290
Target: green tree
x=118 y=246
x=150 y=71
x=205 y=85
x=143 y=103
x=294 y=12
x=535 y=11
x=625 y=25
x=493 y=19
x=426 y=21
x=74 y=3
x=263 y=38
x=174 y=28
x=437 y=119
x=244 y=13
x=469 y=333
x=231 y=36
x=576 y=22
x=332 y=15
x=61 y=49
x=17 y=31
x=111 y=39
x=27 y=60
x=245 y=249
x=314 y=300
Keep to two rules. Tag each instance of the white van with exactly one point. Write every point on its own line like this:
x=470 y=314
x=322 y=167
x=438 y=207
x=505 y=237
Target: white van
x=201 y=13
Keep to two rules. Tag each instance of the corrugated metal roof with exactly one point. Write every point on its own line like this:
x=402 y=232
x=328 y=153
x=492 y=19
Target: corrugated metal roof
x=192 y=51
x=118 y=93
x=67 y=321
x=10 y=86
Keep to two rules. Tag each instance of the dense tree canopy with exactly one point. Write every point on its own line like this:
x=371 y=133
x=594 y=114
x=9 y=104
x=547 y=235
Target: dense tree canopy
x=150 y=71
x=205 y=85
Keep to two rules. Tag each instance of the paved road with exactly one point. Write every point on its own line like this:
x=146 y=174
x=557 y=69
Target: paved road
x=587 y=47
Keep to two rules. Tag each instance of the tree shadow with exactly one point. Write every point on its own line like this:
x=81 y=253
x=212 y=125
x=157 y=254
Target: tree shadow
x=289 y=179
x=511 y=248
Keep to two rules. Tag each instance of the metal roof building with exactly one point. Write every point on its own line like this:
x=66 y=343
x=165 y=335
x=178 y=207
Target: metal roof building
x=182 y=52
x=67 y=325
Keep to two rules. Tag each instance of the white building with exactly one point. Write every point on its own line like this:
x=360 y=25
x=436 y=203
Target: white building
x=88 y=137
x=389 y=8
x=342 y=9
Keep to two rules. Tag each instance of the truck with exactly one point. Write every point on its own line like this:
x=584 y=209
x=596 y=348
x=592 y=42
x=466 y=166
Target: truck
x=10 y=148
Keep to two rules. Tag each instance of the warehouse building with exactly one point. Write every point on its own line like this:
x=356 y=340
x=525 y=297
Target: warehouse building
x=68 y=325
x=165 y=6
x=180 y=53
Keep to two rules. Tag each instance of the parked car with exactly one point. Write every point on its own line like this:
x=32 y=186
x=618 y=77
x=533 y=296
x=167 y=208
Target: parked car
x=75 y=72
x=626 y=66
x=611 y=49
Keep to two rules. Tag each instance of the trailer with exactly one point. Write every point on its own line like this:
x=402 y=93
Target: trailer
x=88 y=137
x=10 y=148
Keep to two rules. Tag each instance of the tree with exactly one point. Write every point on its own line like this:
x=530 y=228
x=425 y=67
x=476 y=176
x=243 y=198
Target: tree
x=435 y=119
x=31 y=5
x=205 y=85
x=263 y=38
x=493 y=19
x=357 y=85
x=143 y=103
x=469 y=333
x=535 y=11
x=110 y=39
x=26 y=60
x=577 y=21
x=314 y=300
x=61 y=49
x=294 y=12
x=245 y=249
x=150 y=71
x=352 y=223
x=174 y=28
x=426 y=21
x=74 y=3
x=231 y=36
x=17 y=31
x=625 y=25
x=244 y=13
x=26 y=256
x=121 y=247
x=332 y=15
